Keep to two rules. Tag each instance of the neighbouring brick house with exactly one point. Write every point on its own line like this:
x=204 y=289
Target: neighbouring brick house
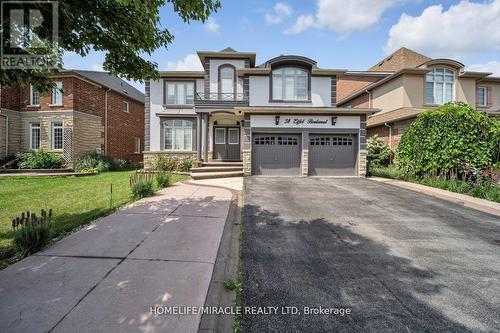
x=89 y=111
x=406 y=83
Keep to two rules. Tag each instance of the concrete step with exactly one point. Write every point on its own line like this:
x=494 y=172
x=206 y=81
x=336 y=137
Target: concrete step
x=217 y=169
x=217 y=164
x=212 y=175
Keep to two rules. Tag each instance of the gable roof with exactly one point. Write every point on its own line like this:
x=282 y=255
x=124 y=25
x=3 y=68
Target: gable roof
x=111 y=81
x=402 y=58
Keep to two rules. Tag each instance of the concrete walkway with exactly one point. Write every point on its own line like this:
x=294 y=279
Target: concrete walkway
x=159 y=251
x=461 y=199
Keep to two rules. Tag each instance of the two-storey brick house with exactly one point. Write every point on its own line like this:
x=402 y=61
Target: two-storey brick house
x=89 y=111
x=278 y=118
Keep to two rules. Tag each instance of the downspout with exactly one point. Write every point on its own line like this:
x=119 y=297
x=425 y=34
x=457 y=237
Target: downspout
x=106 y=122
x=390 y=138
x=6 y=133
x=369 y=98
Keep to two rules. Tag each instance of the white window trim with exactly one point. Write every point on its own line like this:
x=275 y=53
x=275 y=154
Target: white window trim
x=454 y=86
x=165 y=126
x=39 y=126
x=223 y=137
x=54 y=90
x=237 y=136
x=176 y=83
x=31 y=97
x=137 y=145
x=128 y=106
x=52 y=136
x=283 y=85
x=485 y=105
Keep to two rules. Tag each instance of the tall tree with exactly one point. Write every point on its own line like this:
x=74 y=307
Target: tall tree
x=124 y=29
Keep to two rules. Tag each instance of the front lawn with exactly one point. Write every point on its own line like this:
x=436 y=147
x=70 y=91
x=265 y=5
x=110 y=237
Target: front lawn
x=491 y=192
x=74 y=200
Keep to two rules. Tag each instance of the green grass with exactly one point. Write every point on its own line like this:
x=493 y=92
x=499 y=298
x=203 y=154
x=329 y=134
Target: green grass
x=488 y=192
x=75 y=201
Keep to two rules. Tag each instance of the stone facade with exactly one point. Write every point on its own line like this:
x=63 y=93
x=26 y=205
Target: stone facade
x=247 y=161
x=362 y=163
x=3 y=137
x=150 y=157
x=305 y=162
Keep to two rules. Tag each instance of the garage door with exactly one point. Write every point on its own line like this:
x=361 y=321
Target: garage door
x=332 y=155
x=276 y=154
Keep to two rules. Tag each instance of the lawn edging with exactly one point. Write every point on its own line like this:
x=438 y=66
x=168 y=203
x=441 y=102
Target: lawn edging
x=483 y=205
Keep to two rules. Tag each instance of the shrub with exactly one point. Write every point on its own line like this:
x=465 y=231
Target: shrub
x=32 y=233
x=40 y=159
x=142 y=189
x=378 y=152
x=448 y=141
x=99 y=163
x=172 y=163
x=387 y=172
x=163 y=180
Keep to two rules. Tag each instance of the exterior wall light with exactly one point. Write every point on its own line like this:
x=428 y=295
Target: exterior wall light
x=334 y=121
x=277 y=120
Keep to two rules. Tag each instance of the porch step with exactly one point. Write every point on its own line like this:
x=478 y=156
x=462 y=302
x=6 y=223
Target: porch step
x=212 y=175
x=217 y=169
x=218 y=164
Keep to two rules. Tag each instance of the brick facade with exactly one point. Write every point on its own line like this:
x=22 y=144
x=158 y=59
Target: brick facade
x=83 y=113
x=397 y=130
x=348 y=84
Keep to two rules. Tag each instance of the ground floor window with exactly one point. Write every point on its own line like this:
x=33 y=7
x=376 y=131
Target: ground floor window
x=137 y=145
x=57 y=135
x=178 y=134
x=35 y=136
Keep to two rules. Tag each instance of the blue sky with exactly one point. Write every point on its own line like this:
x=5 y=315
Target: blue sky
x=345 y=34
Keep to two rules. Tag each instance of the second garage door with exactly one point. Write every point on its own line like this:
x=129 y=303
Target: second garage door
x=276 y=154
x=332 y=155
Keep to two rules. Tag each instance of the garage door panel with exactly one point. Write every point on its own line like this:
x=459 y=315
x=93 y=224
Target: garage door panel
x=332 y=155
x=276 y=154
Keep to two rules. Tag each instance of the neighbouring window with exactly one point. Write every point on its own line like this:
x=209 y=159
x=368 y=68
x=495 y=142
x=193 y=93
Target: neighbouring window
x=57 y=135
x=34 y=96
x=137 y=145
x=290 y=84
x=180 y=93
x=226 y=82
x=125 y=106
x=439 y=86
x=57 y=95
x=482 y=96
x=35 y=136
x=178 y=134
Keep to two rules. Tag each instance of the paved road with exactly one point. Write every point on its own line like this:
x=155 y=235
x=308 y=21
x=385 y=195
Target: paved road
x=159 y=251
x=401 y=261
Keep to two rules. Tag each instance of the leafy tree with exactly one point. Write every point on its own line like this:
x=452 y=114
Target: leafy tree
x=378 y=152
x=448 y=141
x=125 y=29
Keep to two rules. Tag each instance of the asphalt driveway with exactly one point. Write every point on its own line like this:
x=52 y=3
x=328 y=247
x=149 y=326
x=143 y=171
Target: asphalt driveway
x=399 y=260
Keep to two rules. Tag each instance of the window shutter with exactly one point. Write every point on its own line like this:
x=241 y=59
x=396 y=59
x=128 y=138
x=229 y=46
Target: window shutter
x=489 y=96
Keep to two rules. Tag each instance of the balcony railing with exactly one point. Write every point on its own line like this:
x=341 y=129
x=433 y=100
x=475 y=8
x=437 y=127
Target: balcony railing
x=221 y=98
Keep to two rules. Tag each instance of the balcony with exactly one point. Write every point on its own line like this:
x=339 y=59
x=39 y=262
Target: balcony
x=221 y=99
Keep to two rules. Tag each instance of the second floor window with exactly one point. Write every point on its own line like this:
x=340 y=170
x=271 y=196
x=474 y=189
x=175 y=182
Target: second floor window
x=180 y=93
x=439 y=86
x=482 y=96
x=178 y=134
x=289 y=84
x=226 y=84
x=57 y=97
x=34 y=96
x=125 y=106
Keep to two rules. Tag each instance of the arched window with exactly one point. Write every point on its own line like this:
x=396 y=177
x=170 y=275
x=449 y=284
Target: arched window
x=227 y=85
x=439 y=86
x=289 y=84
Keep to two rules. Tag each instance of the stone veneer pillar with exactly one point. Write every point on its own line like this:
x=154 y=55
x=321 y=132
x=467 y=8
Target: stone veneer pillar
x=246 y=147
x=305 y=162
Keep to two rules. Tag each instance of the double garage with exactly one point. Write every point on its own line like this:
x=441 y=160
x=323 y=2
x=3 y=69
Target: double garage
x=305 y=145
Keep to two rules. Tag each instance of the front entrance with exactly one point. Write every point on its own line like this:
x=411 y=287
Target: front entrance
x=227 y=143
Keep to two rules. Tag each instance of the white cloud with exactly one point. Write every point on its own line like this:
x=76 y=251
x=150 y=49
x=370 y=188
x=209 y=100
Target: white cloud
x=463 y=29
x=212 y=26
x=97 y=67
x=281 y=11
x=343 y=16
x=191 y=62
x=489 y=67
